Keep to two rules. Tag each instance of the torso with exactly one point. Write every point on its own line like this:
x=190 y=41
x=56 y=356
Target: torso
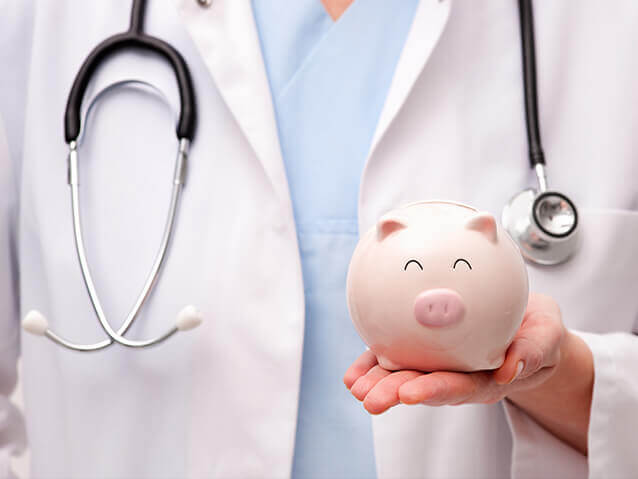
x=459 y=135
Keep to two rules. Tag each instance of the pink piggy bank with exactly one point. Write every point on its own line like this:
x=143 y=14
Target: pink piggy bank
x=437 y=286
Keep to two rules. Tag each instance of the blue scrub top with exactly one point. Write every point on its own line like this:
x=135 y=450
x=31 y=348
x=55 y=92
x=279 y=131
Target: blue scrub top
x=329 y=81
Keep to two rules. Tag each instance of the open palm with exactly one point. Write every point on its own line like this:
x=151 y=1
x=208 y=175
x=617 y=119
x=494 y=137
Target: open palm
x=529 y=361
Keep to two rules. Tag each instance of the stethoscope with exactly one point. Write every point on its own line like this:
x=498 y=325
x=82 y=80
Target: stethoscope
x=189 y=317
x=543 y=223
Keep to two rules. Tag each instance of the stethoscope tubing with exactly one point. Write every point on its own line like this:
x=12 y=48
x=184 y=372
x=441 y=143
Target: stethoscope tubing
x=73 y=130
x=117 y=336
x=528 y=54
x=133 y=38
x=185 y=130
x=522 y=215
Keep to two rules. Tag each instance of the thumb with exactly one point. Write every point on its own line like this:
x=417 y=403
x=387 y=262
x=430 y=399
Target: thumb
x=536 y=345
x=524 y=357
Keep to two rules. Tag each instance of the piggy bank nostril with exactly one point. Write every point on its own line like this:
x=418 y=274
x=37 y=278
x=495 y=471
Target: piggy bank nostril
x=439 y=307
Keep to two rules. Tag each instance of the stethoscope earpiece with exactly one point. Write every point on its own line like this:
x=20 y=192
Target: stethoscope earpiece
x=189 y=317
x=35 y=323
x=543 y=223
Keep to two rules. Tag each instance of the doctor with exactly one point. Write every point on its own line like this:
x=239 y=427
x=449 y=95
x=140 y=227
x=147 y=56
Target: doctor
x=309 y=129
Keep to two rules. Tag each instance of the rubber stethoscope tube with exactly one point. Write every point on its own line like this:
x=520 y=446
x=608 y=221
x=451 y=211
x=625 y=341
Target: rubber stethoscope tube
x=536 y=155
x=133 y=38
x=189 y=317
x=543 y=223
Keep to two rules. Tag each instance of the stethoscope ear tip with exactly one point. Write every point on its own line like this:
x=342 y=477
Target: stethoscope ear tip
x=34 y=322
x=189 y=318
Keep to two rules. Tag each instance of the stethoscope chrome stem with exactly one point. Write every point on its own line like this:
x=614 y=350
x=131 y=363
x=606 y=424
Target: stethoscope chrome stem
x=543 y=223
x=179 y=177
x=541 y=176
x=73 y=177
x=135 y=37
x=187 y=318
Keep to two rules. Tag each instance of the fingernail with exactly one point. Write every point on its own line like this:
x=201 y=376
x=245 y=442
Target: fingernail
x=519 y=369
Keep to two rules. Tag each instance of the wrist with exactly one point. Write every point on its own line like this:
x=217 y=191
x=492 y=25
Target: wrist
x=562 y=402
x=558 y=377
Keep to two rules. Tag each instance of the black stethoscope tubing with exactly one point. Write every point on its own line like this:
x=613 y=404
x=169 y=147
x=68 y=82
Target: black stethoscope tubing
x=189 y=317
x=133 y=38
x=536 y=154
x=543 y=223
x=136 y=38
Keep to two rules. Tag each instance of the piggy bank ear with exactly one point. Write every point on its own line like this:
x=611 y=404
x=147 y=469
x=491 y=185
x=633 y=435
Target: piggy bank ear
x=483 y=223
x=388 y=224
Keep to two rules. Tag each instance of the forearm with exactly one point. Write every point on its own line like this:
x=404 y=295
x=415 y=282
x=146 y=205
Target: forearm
x=562 y=403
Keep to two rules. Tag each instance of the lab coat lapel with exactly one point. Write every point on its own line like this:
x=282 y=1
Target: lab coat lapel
x=226 y=36
x=430 y=19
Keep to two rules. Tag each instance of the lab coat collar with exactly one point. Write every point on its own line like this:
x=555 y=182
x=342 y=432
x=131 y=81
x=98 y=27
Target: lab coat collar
x=429 y=22
x=226 y=36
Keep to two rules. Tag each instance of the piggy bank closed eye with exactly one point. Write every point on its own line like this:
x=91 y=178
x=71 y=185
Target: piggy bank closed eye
x=437 y=286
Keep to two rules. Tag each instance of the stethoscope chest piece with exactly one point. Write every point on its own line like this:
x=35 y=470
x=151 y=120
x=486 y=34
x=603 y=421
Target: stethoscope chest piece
x=544 y=225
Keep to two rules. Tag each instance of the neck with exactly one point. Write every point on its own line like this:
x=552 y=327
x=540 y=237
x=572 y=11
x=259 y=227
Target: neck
x=335 y=8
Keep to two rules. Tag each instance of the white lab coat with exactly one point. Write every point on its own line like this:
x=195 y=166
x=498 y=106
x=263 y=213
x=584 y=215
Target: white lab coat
x=221 y=401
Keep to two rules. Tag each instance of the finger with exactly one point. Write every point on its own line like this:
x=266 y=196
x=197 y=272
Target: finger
x=441 y=388
x=361 y=366
x=386 y=393
x=364 y=384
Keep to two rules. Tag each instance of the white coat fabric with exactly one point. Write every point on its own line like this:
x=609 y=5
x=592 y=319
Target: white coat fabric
x=221 y=401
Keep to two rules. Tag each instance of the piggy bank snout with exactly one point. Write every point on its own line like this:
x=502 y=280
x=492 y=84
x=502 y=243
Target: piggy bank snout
x=435 y=308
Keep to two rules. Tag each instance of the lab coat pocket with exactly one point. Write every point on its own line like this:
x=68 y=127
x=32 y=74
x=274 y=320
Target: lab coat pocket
x=597 y=289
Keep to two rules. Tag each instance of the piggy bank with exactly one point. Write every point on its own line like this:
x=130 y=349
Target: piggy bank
x=437 y=286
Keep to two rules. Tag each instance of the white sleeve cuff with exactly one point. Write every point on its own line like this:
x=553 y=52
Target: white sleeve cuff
x=613 y=425
x=537 y=452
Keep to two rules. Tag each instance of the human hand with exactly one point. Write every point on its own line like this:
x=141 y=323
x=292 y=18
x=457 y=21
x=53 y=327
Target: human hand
x=530 y=360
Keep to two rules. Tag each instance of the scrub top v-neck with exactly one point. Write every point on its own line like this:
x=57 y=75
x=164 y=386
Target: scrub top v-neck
x=329 y=81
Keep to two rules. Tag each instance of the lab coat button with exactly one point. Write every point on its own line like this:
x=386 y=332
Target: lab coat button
x=205 y=3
